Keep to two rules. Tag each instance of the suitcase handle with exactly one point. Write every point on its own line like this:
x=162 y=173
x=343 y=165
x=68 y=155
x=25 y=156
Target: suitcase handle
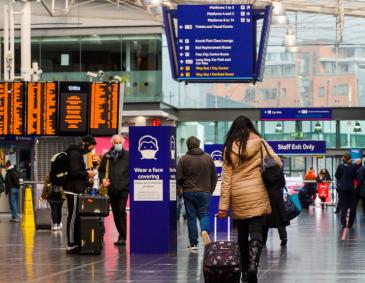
x=215 y=227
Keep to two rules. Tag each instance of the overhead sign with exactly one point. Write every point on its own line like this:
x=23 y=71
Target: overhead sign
x=293 y=114
x=215 y=42
x=42 y=109
x=104 y=109
x=11 y=108
x=73 y=108
x=298 y=147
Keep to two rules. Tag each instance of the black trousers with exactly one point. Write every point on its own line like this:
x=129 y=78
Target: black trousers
x=72 y=220
x=118 y=203
x=248 y=229
x=281 y=229
x=56 y=208
x=348 y=200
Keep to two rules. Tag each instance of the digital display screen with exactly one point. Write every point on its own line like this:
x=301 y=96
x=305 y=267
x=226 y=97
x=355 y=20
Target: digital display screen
x=42 y=108
x=11 y=108
x=104 y=108
x=73 y=102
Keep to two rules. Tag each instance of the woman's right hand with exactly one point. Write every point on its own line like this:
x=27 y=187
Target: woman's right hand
x=222 y=214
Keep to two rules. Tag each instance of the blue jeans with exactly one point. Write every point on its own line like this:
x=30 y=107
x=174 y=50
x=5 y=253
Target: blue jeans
x=14 y=202
x=197 y=207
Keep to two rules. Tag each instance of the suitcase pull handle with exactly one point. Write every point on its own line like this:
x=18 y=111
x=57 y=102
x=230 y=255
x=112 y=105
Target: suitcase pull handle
x=215 y=227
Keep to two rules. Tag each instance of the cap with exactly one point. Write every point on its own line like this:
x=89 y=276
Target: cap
x=89 y=140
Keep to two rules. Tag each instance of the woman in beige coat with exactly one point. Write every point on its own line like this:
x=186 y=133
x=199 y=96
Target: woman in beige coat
x=243 y=191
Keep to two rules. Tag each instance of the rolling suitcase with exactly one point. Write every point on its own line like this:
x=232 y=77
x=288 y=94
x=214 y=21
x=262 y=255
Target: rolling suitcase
x=88 y=205
x=222 y=260
x=43 y=217
x=89 y=235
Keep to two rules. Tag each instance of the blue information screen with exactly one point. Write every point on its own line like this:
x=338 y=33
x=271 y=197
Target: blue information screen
x=215 y=42
x=276 y=114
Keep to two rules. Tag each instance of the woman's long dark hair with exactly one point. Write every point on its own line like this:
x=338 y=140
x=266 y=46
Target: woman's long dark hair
x=239 y=132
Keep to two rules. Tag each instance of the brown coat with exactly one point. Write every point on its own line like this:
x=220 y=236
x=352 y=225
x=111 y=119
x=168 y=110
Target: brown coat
x=243 y=190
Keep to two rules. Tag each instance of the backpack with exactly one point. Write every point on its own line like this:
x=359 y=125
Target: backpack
x=59 y=169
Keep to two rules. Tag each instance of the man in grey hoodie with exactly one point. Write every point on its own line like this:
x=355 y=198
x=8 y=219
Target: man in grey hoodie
x=197 y=178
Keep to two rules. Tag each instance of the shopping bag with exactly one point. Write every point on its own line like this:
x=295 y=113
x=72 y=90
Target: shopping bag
x=292 y=205
x=43 y=216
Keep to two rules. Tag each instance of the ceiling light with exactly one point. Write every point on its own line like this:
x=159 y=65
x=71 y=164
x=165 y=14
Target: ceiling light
x=279 y=128
x=289 y=38
x=292 y=49
x=357 y=127
x=152 y=3
x=318 y=127
x=278 y=9
x=280 y=20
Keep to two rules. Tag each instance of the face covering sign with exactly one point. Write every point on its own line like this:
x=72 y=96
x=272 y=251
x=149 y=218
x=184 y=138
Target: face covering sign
x=153 y=189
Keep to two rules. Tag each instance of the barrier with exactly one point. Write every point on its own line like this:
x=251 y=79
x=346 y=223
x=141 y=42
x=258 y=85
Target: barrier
x=28 y=217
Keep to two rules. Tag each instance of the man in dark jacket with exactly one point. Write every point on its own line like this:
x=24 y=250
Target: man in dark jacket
x=346 y=176
x=78 y=181
x=12 y=184
x=360 y=178
x=197 y=177
x=115 y=164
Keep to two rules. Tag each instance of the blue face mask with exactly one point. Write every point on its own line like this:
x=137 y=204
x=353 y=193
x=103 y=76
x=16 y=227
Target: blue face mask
x=118 y=147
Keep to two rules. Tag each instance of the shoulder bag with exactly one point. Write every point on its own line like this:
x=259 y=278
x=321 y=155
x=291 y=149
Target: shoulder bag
x=102 y=189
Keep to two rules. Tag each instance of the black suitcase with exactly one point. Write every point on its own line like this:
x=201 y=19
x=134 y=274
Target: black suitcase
x=222 y=260
x=88 y=205
x=89 y=235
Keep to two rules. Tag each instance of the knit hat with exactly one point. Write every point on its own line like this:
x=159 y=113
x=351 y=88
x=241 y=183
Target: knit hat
x=90 y=140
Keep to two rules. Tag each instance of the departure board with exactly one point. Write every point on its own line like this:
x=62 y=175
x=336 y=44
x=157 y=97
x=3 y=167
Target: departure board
x=104 y=109
x=73 y=106
x=11 y=108
x=42 y=109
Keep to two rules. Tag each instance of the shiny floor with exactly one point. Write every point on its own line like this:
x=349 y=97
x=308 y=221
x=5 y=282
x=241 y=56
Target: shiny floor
x=317 y=251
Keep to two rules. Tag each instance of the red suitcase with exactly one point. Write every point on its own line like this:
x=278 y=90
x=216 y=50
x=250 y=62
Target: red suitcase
x=222 y=260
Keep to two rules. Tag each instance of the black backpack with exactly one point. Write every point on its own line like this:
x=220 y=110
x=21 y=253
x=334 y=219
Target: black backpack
x=59 y=169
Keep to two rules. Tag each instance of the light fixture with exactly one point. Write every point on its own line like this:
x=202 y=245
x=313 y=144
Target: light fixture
x=152 y=3
x=357 y=127
x=281 y=20
x=318 y=127
x=279 y=16
x=292 y=49
x=289 y=38
x=279 y=128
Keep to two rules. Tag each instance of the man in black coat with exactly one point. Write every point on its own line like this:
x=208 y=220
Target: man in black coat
x=77 y=183
x=360 y=178
x=346 y=176
x=12 y=184
x=116 y=164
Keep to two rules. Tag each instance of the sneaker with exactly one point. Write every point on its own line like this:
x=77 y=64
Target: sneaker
x=205 y=237
x=15 y=220
x=72 y=250
x=60 y=226
x=54 y=227
x=193 y=247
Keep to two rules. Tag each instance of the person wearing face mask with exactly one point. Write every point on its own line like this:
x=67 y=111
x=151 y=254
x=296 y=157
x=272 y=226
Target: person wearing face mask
x=116 y=162
x=78 y=182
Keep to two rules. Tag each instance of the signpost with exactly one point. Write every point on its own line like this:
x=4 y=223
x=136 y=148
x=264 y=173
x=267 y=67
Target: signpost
x=153 y=189
x=295 y=114
x=298 y=147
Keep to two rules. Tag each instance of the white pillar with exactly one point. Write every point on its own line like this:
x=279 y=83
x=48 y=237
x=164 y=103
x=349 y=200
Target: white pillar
x=6 y=42
x=26 y=42
x=12 y=43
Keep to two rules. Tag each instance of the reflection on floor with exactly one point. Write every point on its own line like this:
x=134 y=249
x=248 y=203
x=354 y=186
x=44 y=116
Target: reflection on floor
x=315 y=253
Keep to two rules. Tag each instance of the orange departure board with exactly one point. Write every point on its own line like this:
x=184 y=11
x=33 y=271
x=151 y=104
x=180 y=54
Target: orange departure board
x=73 y=104
x=41 y=108
x=104 y=106
x=11 y=108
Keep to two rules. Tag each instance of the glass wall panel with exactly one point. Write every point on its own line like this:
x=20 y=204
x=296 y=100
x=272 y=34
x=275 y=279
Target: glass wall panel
x=352 y=134
x=320 y=130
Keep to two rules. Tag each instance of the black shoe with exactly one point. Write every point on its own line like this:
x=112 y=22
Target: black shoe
x=284 y=241
x=72 y=250
x=254 y=249
x=119 y=243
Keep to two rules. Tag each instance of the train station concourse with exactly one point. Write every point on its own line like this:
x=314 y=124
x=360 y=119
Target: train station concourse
x=182 y=141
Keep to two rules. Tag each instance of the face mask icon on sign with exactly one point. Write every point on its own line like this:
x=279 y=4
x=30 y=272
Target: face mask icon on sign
x=217 y=158
x=148 y=147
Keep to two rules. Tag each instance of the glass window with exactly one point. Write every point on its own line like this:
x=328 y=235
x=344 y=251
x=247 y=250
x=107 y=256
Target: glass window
x=321 y=92
x=341 y=90
x=250 y=94
x=352 y=134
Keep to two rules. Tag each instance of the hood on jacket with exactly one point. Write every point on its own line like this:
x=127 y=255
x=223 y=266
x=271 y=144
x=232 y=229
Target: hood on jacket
x=195 y=151
x=11 y=167
x=253 y=146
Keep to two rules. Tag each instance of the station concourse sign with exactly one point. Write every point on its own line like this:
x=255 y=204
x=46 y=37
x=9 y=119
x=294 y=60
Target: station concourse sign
x=216 y=43
x=299 y=147
x=152 y=152
x=295 y=114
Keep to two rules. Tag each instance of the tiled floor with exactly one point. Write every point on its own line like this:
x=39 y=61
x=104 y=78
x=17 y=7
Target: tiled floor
x=315 y=253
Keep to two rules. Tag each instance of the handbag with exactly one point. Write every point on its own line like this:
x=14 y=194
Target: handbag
x=43 y=216
x=271 y=171
x=102 y=189
x=292 y=205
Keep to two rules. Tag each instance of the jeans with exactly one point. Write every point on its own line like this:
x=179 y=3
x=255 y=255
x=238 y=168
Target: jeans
x=197 y=207
x=249 y=228
x=56 y=208
x=180 y=209
x=14 y=202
